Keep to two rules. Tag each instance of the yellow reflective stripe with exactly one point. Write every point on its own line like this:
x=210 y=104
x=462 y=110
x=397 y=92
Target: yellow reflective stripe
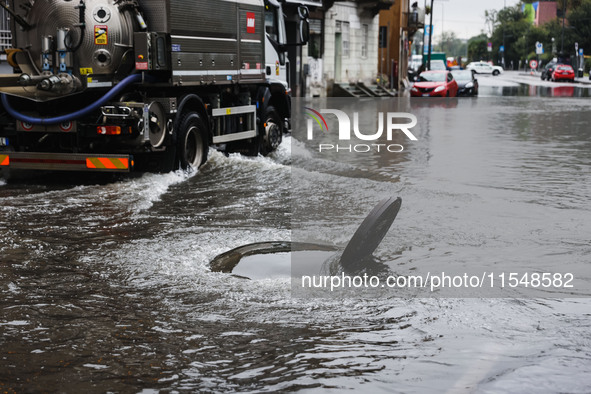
x=107 y=163
x=122 y=164
x=93 y=162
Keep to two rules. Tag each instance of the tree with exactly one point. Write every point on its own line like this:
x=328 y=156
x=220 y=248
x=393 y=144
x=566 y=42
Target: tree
x=579 y=21
x=451 y=45
x=490 y=17
x=477 y=48
x=511 y=27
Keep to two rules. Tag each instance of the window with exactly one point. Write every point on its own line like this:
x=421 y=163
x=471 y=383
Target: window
x=383 y=37
x=364 y=40
x=271 y=25
x=346 y=38
x=315 y=42
x=432 y=77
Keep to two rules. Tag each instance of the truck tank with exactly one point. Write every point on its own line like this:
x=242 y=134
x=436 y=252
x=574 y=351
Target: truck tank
x=67 y=42
x=69 y=46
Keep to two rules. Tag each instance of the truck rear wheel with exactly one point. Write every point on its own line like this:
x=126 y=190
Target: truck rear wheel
x=192 y=144
x=272 y=131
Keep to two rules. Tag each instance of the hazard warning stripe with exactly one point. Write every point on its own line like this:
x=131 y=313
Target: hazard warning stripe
x=4 y=160
x=107 y=163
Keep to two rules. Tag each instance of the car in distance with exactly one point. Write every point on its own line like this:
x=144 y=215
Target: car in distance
x=437 y=64
x=439 y=83
x=415 y=62
x=548 y=70
x=484 y=68
x=467 y=84
x=563 y=72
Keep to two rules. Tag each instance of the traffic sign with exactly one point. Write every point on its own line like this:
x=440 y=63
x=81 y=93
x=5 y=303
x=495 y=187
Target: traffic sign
x=533 y=64
x=489 y=47
x=580 y=51
x=539 y=48
x=576 y=46
x=502 y=48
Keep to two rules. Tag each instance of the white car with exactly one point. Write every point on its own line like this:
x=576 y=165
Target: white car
x=484 y=68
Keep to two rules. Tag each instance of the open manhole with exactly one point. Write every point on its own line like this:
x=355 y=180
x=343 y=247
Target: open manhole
x=273 y=259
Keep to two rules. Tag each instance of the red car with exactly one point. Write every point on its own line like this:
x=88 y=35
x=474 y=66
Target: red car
x=563 y=72
x=438 y=83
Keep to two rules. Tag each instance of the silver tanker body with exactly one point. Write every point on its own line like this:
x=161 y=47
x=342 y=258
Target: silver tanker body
x=109 y=85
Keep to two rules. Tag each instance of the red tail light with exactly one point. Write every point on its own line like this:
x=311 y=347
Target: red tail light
x=108 y=130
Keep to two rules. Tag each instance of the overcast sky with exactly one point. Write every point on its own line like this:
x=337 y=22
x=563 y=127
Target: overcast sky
x=464 y=17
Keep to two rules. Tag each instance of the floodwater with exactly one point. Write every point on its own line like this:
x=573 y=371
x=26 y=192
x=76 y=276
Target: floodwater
x=518 y=83
x=106 y=287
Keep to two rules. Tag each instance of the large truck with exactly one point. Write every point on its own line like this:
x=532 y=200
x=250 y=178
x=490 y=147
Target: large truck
x=150 y=85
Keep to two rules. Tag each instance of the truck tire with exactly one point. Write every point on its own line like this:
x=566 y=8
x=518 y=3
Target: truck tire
x=272 y=132
x=192 y=144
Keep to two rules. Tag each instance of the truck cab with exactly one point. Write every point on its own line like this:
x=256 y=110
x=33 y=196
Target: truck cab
x=277 y=65
x=276 y=62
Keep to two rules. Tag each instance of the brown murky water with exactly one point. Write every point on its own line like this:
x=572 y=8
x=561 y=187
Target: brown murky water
x=105 y=285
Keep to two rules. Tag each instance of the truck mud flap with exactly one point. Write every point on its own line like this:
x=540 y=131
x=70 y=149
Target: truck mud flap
x=66 y=162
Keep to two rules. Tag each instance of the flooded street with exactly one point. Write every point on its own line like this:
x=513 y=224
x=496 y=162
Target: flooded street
x=106 y=286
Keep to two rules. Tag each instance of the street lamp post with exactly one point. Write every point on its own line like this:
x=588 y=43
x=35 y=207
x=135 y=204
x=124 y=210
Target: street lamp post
x=430 y=37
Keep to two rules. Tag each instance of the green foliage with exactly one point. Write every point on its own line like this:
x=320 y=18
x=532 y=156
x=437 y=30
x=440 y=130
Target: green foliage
x=477 y=48
x=509 y=26
x=579 y=21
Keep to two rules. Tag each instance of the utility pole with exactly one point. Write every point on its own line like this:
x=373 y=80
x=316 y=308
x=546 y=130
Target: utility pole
x=504 y=47
x=430 y=37
x=563 y=12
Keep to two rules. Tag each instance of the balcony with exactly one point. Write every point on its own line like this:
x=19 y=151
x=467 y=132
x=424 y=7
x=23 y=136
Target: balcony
x=369 y=6
x=375 y=6
x=415 y=20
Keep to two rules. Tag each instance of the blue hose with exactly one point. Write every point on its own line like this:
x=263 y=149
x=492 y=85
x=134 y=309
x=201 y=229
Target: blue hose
x=74 y=115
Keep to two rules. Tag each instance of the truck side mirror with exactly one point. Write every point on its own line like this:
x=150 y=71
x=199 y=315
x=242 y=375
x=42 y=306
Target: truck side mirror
x=304 y=31
x=304 y=24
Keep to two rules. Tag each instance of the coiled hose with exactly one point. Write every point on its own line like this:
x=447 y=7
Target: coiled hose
x=74 y=115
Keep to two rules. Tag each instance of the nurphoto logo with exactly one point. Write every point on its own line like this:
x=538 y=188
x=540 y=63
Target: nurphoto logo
x=391 y=120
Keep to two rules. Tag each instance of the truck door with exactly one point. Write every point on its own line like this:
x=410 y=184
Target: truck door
x=275 y=55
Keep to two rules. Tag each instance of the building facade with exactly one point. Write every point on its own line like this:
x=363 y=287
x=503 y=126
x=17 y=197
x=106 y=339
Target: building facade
x=540 y=12
x=344 y=45
x=398 y=24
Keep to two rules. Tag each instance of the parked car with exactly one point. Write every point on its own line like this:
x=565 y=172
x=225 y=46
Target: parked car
x=439 y=83
x=563 y=72
x=467 y=84
x=548 y=70
x=484 y=68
